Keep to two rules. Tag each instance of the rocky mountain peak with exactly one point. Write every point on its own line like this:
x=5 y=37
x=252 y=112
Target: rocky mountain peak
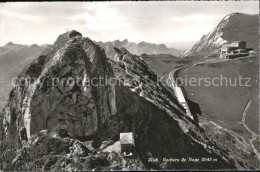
x=71 y=57
x=8 y=44
x=233 y=27
x=74 y=33
x=125 y=41
x=34 y=46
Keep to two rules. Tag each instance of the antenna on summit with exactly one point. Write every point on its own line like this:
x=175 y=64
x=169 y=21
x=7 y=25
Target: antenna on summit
x=67 y=30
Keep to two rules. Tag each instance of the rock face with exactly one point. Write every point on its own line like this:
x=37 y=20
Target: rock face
x=184 y=53
x=233 y=27
x=96 y=112
x=134 y=73
x=52 y=99
x=137 y=48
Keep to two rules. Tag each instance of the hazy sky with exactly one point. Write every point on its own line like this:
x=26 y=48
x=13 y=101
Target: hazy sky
x=157 y=22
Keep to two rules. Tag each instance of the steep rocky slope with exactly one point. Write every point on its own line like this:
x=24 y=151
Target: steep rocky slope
x=137 y=48
x=85 y=118
x=233 y=27
x=240 y=151
x=184 y=53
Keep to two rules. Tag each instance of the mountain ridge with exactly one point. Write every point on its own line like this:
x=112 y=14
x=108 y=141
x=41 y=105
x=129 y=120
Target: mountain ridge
x=137 y=48
x=233 y=27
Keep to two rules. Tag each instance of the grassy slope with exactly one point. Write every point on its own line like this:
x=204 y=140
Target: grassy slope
x=222 y=104
x=250 y=68
x=162 y=63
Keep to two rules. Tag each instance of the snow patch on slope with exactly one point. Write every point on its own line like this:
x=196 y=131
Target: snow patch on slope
x=213 y=39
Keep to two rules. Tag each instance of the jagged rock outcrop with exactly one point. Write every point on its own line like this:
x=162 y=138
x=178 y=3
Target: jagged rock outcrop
x=135 y=74
x=137 y=48
x=233 y=27
x=184 y=53
x=49 y=151
x=53 y=100
x=96 y=112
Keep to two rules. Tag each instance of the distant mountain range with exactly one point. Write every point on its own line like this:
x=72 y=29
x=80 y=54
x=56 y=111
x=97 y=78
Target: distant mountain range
x=233 y=27
x=15 y=54
x=137 y=48
x=13 y=58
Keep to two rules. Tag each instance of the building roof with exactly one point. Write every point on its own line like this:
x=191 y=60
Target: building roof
x=237 y=41
x=229 y=42
x=232 y=42
x=126 y=138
